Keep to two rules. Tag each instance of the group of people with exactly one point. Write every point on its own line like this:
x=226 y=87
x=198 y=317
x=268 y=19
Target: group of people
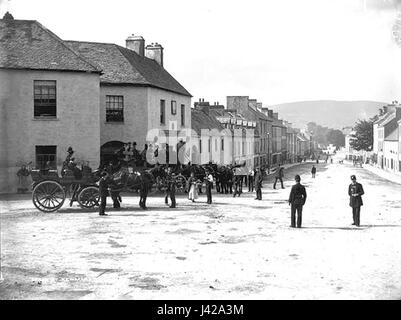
x=297 y=197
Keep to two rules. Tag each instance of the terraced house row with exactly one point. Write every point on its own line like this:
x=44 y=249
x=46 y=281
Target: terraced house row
x=387 y=138
x=91 y=96
x=95 y=97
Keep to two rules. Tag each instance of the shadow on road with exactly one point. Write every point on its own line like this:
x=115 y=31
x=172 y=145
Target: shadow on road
x=362 y=227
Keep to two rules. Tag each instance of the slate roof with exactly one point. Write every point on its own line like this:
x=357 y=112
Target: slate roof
x=26 y=44
x=125 y=67
x=392 y=136
x=201 y=120
x=259 y=114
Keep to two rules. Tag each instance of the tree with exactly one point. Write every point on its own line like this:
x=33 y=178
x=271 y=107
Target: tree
x=363 y=137
x=336 y=137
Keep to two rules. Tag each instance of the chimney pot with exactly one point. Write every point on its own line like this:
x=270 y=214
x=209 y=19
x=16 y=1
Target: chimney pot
x=154 y=51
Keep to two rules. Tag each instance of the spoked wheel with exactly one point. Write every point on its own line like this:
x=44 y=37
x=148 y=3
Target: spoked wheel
x=48 y=196
x=181 y=183
x=89 y=197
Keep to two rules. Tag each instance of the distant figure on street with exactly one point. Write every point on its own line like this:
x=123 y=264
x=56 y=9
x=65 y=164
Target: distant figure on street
x=279 y=176
x=193 y=190
x=104 y=184
x=171 y=186
x=250 y=180
x=331 y=160
x=313 y=172
x=209 y=185
x=296 y=201
x=237 y=186
x=355 y=192
x=258 y=183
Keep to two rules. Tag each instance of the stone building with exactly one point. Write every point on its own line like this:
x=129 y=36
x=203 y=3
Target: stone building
x=386 y=138
x=139 y=100
x=91 y=96
x=237 y=134
x=252 y=110
x=49 y=100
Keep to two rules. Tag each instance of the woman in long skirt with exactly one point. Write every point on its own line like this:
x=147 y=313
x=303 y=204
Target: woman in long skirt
x=193 y=190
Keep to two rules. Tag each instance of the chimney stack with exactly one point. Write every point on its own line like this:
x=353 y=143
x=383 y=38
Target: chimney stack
x=136 y=43
x=154 y=51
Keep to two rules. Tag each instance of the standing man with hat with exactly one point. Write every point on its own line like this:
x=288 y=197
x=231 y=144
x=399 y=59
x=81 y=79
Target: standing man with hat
x=171 y=189
x=209 y=185
x=355 y=192
x=258 y=183
x=104 y=184
x=296 y=201
x=279 y=176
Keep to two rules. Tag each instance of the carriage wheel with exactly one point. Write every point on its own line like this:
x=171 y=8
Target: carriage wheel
x=48 y=196
x=181 y=183
x=89 y=197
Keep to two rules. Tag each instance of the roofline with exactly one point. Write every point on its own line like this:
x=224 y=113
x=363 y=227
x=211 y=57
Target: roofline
x=51 y=70
x=65 y=46
x=129 y=84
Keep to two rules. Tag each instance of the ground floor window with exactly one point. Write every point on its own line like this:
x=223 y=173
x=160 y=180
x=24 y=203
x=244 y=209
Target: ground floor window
x=46 y=157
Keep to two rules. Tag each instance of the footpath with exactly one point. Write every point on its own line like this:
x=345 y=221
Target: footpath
x=286 y=166
x=394 y=177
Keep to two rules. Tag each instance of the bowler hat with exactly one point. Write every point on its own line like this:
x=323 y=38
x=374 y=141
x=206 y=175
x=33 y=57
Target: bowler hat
x=353 y=177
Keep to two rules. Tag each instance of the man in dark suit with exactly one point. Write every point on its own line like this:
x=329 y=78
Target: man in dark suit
x=258 y=184
x=279 y=176
x=296 y=201
x=209 y=185
x=104 y=183
x=355 y=192
x=171 y=187
x=313 y=171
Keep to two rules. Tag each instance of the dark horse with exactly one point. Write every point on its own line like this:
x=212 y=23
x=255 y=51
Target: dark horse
x=128 y=177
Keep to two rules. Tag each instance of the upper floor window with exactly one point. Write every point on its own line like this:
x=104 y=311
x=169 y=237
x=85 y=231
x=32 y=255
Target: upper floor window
x=162 y=112
x=45 y=100
x=182 y=115
x=114 y=109
x=173 y=107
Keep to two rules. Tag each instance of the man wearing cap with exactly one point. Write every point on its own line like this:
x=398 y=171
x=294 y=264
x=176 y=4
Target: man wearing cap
x=355 y=192
x=296 y=201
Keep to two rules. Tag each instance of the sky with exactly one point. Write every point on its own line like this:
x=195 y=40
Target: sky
x=275 y=51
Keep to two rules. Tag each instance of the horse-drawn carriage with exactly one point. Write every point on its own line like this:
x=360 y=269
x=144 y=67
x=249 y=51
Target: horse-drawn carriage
x=49 y=190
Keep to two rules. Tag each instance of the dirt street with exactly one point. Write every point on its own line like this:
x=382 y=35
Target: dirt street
x=236 y=248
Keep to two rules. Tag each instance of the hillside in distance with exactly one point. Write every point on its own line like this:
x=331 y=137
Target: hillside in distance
x=329 y=113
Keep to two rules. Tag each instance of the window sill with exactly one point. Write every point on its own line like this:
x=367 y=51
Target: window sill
x=115 y=122
x=45 y=119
